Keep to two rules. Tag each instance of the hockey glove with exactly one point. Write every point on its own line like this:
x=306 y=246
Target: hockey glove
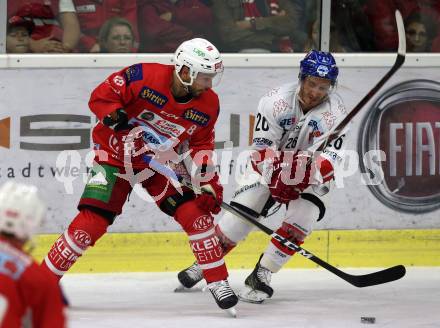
x=211 y=197
x=289 y=180
x=129 y=142
x=117 y=120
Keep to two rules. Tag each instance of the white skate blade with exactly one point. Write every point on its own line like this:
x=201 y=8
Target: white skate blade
x=183 y=289
x=232 y=312
x=250 y=295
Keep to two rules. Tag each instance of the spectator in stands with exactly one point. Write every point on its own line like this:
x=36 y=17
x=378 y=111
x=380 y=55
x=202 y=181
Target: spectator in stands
x=312 y=41
x=420 y=31
x=381 y=16
x=436 y=44
x=56 y=25
x=18 y=35
x=92 y=14
x=167 y=23
x=351 y=30
x=116 y=36
x=256 y=25
x=308 y=23
x=314 y=34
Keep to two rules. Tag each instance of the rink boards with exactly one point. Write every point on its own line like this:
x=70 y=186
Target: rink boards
x=45 y=140
x=169 y=251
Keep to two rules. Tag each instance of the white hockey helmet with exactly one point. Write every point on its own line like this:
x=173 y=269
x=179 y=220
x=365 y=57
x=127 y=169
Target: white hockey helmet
x=21 y=210
x=200 y=56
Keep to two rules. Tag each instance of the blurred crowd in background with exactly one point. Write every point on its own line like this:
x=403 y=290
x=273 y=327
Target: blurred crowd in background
x=247 y=26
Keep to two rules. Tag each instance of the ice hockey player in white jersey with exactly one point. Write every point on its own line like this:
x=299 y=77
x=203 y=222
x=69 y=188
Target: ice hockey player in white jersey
x=291 y=121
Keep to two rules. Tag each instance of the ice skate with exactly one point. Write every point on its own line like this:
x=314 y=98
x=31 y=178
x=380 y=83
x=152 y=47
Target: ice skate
x=189 y=277
x=224 y=296
x=257 y=285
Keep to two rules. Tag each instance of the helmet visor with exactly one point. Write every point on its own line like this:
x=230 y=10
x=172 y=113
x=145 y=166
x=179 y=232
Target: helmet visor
x=208 y=80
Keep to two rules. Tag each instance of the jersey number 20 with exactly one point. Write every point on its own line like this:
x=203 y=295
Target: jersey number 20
x=261 y=120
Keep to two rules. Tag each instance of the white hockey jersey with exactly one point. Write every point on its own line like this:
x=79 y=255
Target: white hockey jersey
x=281 y=124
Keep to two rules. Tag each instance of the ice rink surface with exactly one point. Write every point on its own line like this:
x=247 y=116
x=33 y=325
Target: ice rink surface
x=303 y=298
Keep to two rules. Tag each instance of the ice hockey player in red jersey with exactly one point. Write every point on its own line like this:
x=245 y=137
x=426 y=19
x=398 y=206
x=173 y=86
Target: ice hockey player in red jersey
x=159 y=111
x=29 y=297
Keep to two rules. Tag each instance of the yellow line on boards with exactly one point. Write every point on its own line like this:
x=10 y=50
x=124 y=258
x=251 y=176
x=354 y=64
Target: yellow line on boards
x=169 y=251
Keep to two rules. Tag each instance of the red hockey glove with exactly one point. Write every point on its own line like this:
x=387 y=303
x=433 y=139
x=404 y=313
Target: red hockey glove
x=289 y=180
x=212 y=196
x=281 y=192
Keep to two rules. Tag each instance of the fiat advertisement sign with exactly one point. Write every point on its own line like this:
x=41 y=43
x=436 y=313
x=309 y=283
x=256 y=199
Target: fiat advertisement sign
x=404 y=123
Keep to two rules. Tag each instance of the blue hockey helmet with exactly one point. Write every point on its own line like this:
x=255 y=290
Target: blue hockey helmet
x=320 y=64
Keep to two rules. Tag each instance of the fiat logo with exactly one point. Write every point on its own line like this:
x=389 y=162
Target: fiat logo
x=404 y=122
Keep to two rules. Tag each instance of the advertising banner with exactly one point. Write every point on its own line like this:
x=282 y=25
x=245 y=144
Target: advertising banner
x=391 y=180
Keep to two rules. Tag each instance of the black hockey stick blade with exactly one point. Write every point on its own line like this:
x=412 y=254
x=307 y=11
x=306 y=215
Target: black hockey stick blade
x=376 y=278
x=369 y=279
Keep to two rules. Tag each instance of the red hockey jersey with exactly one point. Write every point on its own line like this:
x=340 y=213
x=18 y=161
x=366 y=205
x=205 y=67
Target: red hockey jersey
x=143 y=91
x=28 y=296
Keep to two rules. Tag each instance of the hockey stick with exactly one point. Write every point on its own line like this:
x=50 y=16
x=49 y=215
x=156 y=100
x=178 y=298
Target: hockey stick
x=400 y=59
x=370 y=279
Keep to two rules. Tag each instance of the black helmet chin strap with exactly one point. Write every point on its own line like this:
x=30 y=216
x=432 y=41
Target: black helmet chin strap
x=191 y=91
